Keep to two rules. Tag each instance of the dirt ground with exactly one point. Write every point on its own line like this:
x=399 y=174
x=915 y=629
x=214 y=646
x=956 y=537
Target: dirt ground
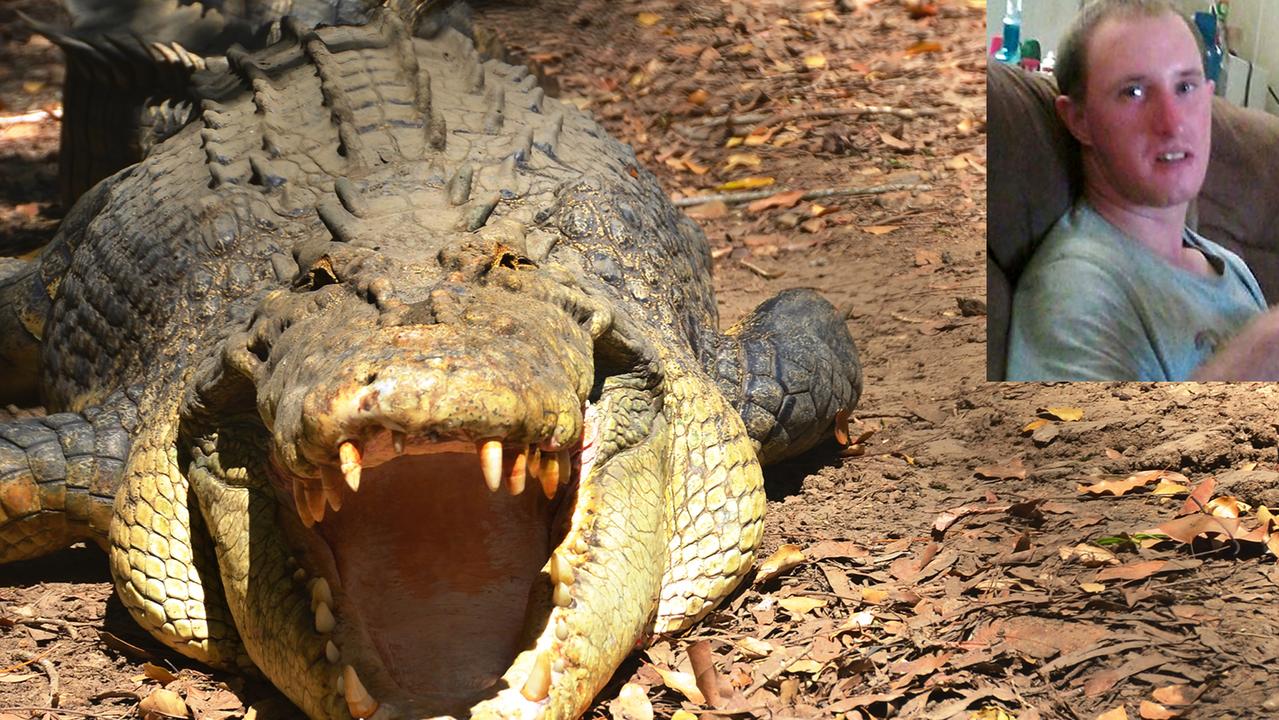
x=980 y=551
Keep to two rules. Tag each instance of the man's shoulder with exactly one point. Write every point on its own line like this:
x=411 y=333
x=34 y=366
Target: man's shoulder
x=1080 y=235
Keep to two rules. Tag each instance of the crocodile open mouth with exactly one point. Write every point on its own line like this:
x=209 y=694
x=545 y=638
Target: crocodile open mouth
x=432 y=564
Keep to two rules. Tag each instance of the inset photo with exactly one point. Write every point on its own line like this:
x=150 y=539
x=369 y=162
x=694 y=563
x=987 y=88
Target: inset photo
x=1133 y=200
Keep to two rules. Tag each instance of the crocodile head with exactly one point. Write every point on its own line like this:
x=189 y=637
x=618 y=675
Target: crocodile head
x=434 y=488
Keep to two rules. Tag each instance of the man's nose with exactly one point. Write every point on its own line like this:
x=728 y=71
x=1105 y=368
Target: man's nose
x=1167 y=112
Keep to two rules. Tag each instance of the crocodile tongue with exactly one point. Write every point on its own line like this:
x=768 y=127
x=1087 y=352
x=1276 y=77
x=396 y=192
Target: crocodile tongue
x=437 y=569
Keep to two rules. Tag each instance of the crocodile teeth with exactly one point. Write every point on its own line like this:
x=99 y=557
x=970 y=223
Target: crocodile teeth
x=321 y=593
x=349 y=456
x=397 y=441
x=538 y=685
x=561 y=570
x=554 y=472
x=331 y=484
x=324 y=620
x=560 y=595
x=315 y=499
x=331 y=653
x=491 y=462
x=300 y=503
x=358 y=700
x=519 y=472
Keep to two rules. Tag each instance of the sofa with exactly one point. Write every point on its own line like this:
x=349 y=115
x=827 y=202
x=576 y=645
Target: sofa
x=1034 y=175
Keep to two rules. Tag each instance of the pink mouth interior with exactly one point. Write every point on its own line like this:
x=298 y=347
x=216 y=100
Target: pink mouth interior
x=438 y=570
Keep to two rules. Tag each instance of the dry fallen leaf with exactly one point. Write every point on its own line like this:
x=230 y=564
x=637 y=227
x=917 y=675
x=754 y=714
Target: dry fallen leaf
x=708 y=211
x=895 y=142
x=1065 y=414
x=1118 y=713
x=1132 y=571
x=1089 y=555
x=632 y=703
x=754 y=648
x=800 y=605
x=1154 y=711
x=704 y=672
x=879 y=229
x=1011 y=470
x=809 y=667
x=788 y=199
x=747 y=183
x=1033 y=425
x=815 y=62
x=682 y=682
x=787 y=557
x=741 y=160
x=162 y=703
x=1092 y=587
x=1176 y=694
x=159 y=674
x=924 y=46
x=927 y=257
x=1227 y=506
x=648 y=19
x=699 y=97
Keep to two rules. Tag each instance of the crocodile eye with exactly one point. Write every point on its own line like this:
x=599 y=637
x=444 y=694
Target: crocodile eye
x=320 y=274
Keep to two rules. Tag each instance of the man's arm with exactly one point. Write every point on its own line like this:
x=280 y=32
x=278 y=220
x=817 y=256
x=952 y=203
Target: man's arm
x=1251 y=355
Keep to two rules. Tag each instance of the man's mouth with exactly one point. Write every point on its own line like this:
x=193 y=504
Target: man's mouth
x=1167 y=157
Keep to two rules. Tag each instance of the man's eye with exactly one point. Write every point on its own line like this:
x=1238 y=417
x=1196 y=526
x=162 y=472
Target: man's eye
x=1133 y=91
x=1185 y=88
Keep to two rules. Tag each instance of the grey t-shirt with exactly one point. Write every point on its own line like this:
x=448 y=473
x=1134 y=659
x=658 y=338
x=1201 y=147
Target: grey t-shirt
x=1094 y=304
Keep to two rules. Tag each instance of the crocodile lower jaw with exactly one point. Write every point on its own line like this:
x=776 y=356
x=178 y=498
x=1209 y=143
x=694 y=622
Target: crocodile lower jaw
x=429 y=578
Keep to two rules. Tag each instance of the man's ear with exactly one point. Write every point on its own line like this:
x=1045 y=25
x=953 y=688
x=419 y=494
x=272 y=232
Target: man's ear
x=1072 y=116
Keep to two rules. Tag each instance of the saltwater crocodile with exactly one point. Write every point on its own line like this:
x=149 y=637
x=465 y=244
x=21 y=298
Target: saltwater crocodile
x=400 y=382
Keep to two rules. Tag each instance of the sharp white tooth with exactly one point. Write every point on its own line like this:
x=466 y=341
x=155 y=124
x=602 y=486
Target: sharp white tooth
x=549 y=474
x=321 y=593
x=561 y=595
x=519 y=472
x=331 y=653
x=331 y=482
x=341 y=685
x=349 y=457
x=324 y=620
x=315 y=499
x=561 y=570
x=302 y=504
x=538 y=685
x=358 y=700
x=491 y=463
x=397 y=441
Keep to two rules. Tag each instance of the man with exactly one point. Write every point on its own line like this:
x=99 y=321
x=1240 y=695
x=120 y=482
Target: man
x=1121 y=289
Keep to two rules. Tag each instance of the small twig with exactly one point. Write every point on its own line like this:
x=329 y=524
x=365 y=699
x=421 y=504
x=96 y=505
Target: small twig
x=753 y=195
x=775 y=118
x=766 y=274
x=33 y=117
x=64 y=711
x=55 y=683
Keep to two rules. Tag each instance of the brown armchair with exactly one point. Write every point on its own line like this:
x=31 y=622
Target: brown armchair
x=1034 y=175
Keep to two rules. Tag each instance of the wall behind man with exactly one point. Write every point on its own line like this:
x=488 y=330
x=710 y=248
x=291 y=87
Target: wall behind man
x=1254 y=29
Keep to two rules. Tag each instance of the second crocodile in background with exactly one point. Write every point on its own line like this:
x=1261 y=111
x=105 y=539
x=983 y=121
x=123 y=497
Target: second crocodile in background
x=401 y=383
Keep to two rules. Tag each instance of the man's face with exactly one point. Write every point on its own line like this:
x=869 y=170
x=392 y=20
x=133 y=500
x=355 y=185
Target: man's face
x=1146 y=119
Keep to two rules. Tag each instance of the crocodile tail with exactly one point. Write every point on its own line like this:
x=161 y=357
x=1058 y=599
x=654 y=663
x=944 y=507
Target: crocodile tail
x=123 y=58
x=58 y=477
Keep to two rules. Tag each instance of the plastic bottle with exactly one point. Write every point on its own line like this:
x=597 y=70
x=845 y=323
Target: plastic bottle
x=1011 y=50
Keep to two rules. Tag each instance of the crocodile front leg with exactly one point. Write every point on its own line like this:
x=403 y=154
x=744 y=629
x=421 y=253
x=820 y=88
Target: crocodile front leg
x=58 y=475
x=788 y=368
x=162 y=562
